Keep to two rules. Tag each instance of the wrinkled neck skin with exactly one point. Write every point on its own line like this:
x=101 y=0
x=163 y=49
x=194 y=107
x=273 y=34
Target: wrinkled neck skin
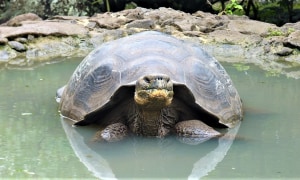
x=151 y=121
x=148 y=122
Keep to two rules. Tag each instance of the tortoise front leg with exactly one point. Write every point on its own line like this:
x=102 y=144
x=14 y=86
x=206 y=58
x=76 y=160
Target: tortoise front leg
x=112 y=133
x=195 y=131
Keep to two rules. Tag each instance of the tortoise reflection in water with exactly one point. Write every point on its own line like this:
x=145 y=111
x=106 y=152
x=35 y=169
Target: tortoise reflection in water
x=151 y=84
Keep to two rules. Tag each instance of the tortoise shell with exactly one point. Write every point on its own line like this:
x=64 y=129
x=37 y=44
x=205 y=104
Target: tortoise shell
x=99 y=81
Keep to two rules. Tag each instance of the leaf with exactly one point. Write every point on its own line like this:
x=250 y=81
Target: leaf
x=239 y=7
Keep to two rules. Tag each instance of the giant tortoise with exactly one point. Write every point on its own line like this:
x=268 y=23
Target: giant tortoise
x=151 y=84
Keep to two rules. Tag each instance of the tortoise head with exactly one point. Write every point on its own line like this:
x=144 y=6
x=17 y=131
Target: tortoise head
x=154 y=91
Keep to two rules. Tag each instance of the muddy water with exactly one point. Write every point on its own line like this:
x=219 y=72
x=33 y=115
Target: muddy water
x=36 y=143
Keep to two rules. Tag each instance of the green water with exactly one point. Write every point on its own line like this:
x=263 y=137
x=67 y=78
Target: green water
x=36 y=143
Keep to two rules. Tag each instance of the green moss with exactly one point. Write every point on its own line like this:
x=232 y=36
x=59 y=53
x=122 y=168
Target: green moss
x=279 y=32
x=275 y=32
x=241 y=67
x=290 y=30
x=273 y=73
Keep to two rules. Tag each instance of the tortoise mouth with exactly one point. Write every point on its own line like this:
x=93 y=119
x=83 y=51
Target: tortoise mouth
x=154 y=91
x=154 y=97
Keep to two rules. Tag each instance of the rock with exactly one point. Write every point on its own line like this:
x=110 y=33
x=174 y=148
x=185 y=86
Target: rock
x=233 y=37
x=21 y=40
x=294 y=39
x=277 y=45
x=142 y=24
x=43 y=28
x=30 y=37
x=227 y=52
x=182 y=5
x=250 y=27
x=134 y=14
x=16 y=21
x=293 y=26
x=6 y=54
x=284 y=51
x=108 y=35
x=293 y=59
x=69 y=18
x=110 y=21
x=17 y=46
x=46 y=48
x=162 y=15
x=3 y=40
x=17 y=62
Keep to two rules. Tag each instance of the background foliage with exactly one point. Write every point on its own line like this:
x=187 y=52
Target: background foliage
x=273 y=11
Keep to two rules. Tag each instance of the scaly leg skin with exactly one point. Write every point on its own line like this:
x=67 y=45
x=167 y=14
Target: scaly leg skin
x=194 y=132
x=112 y=133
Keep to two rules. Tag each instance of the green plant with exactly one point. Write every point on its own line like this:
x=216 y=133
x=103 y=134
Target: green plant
x=279 y=32
x=275 y=32
x=290 y=30
x=107 y=5
x=103 y=2
x=231 y=7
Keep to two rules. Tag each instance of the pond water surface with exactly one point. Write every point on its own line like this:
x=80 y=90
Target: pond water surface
x=36 y=143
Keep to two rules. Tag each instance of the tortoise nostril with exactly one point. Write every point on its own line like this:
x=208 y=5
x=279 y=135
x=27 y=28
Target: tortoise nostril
x=147 y=79
x=156 y=80
x=159 y=78
x=167 y=79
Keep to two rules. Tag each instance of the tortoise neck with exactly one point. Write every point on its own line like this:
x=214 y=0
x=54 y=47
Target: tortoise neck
x=148 y=122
